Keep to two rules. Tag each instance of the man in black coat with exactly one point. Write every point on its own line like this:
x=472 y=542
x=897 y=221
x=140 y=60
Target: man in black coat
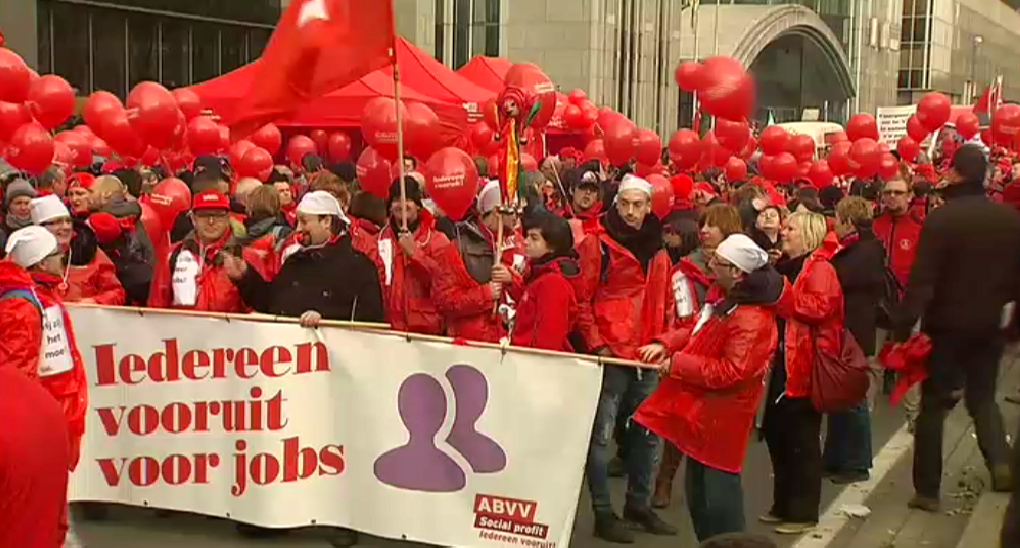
x=860 y=266
x=323 y=279
x=964 y=284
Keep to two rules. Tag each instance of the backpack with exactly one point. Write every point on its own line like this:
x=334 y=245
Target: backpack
x=839 y=382
x=889 y=301
x=28 y=295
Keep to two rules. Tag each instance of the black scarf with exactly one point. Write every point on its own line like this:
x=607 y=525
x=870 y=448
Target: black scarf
x=643 y=243
x=790 y=268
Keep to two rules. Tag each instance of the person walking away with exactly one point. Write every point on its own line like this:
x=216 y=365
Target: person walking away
x=18 y=207
x=412 y=262
x=194 y=278
x=625 y=302
x=964 y=287
x=859 y=264
x=811 y=317
x=707 y=401
x=301 y=289
x=90 y=276
x=547 y=306
x=34 y=459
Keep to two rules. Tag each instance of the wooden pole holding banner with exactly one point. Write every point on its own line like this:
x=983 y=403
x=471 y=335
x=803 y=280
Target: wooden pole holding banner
x=400 y=128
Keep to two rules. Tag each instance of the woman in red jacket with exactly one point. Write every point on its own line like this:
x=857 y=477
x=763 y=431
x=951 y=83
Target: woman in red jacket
x=547 y=305
x=90 y=276
x=811 y=321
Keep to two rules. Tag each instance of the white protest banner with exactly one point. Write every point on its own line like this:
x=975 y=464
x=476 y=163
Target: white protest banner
x=282 y=426
x=892 y=122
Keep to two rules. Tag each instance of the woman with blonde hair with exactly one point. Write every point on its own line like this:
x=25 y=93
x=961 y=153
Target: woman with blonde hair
x=810 y=323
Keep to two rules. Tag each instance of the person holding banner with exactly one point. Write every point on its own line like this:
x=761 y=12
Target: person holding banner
x=625 y=302
x=324 y=279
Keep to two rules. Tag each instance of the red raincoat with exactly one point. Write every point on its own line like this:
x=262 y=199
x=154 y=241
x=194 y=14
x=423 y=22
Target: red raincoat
x=685 y=281
x=899 y=235
x=368 y=243
x=407 y=292
x=547 y=306
x=215 y=290
x=585 y=223
x=96 y=280
x=813 y=310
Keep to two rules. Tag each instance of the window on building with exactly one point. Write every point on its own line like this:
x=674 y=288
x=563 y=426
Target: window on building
x=176 y=53
x=70 y=45
x=440 y=30
x=233 y=54
x=44 y=37
x=257 y=41
x=205 y=52
x=461 y=32
x=109 y=51
x=143 y=48
x=486 y=22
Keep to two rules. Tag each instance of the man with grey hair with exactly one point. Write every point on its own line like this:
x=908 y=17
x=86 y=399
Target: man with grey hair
x=53 y=181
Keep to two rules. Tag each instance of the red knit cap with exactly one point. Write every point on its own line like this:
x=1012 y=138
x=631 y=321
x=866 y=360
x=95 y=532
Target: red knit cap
x=106 y=227
x=81 y=179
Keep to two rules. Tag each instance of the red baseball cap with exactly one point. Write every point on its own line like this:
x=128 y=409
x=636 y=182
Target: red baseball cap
x=210 y=200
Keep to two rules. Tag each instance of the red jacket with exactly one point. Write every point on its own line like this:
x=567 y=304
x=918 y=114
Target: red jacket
x=215 y=292
x=899 y=234
x=407 y=292
x=630 y=308
x=34 y=457
x=707 y=404
x=689 y=285
x=364 y=241
x=96 y=280
x=813 y=310
x=585 y=223
x=547 y=307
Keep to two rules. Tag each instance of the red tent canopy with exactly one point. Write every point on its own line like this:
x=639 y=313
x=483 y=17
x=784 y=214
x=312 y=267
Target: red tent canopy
x=424 y=73
x=487 y=72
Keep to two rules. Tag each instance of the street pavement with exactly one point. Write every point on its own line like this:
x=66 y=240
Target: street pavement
x=133 y=527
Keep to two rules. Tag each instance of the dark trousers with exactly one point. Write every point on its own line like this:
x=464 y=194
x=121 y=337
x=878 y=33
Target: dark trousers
x=715 y=499
x=792 y=428
x=848 y=441
x=958 y=361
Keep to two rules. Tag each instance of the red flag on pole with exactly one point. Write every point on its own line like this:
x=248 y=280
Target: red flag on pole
x=318 y=47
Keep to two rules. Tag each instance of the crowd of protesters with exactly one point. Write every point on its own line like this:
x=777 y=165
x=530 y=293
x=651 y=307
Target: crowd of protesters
x=732 y=296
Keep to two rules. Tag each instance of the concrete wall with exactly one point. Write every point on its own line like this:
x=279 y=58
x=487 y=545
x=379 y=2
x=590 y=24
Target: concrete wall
x=18 y=24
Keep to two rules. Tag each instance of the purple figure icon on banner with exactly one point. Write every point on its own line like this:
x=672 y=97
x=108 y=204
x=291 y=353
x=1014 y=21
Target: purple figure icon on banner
x=472 y=397
x=419 y=465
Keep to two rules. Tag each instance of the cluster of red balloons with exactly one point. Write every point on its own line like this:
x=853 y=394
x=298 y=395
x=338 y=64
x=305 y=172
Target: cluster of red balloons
x=422 y=137
x=580 y=114
x=724 y=88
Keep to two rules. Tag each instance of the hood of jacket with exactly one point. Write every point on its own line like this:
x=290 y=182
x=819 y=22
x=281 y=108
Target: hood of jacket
x=569 y=266
x=120 y=208
x=763 y=287
x=84 y=244
x=13 y=276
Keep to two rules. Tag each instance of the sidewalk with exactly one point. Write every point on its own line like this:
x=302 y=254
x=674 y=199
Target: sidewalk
x=971 y=516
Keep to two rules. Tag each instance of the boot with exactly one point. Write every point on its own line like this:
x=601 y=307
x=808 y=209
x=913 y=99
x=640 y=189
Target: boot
x=671 y=459
x=1002 y=478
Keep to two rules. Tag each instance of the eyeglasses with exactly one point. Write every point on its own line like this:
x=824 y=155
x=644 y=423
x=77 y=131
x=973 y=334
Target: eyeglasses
x=894 y=192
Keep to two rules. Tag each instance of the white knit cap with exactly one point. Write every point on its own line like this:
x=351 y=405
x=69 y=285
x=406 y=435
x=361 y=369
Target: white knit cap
x=742 y=252
x=30 y=245
x=489 y=198
x=633 y=182
x=47 y=208
x=321 y=202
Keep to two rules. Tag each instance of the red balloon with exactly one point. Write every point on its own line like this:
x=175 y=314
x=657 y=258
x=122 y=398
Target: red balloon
x=224 y=138
x=117 y=131
x=749 y=149
x=83 y=129
x=785 y=167
x=15 y=77
x=99 y=107
x=727 y=89
x=774 y=140
x=648 y=147
x=375 y=173
x=63 y=156
x=908 y=149
x=238 y=150
x=154 y=114
x=765 y=163
x=820 y=174
x=714 y=154
x=421 y=130
x=451 y=179
x=490 y=113
x=596 y=150
x=967 y=125
x=838 y=137
x=986 y=136
x=888 y=167
x=689 y=76
x=298 y=147
x=31 y=148
x=203 y=136
x=619 y=142
x=101 y=149
x=577 y=97
x=321 y=140
x=591 y=114
x=862 y=126
x=268 y=137
x=884 y=147
x=644 y=170
x=732 y=135
x=662 y=195
x=736 y=170
x=189 y=103
x=150 y=158
x=12 y=116
x=802 y=147
x=574 y=117
x=482 y=137
x=528 y=162
x=839 y=158
x=916 y=131
x=256 y=163
x=1006 y=123
x=531 y=79
x=865 y=157
x=51 y=100
x=685 y=148
x=934 y=111
x=339 y=146
x=379 y=126
x=168 y=199
x=79 y=145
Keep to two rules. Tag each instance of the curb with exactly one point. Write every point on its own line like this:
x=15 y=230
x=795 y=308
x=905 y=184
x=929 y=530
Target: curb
x=985 y=522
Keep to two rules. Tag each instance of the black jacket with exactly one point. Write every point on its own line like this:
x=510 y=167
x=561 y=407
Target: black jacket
x=860 y=267
x=335 y=281
x=967 y=267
